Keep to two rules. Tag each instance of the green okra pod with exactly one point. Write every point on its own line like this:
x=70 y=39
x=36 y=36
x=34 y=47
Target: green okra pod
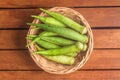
x=69 y=22
x=32 y=35
x=59 y=59
x=64 y=32
x=62 y=51
x=68 y=54
x=62 y=59
x=44 y=44
x=46 y=34
x=84 y=47
x=49 y=46
x=49 y=20
x=58 y=40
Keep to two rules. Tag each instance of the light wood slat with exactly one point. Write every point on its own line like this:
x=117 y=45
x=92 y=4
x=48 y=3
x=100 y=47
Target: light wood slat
x=52 y=3
x=21 y=60
x=103 y=38
x=78 y=75
x=17 y=18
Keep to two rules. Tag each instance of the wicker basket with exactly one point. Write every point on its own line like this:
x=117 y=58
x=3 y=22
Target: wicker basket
x=80 y=60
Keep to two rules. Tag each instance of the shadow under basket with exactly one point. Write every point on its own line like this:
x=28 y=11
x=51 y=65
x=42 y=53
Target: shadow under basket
x=80 y=59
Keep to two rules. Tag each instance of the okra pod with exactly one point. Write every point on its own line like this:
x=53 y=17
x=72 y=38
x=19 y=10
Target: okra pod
x=45 y=44
x=58 y=40
x=68 y=54
x=49 y=20
x=62 y=51
x=46 y=34
x=62 y=59
x=84 y=47
x=69 y=22
x=59 y=59
x=64 y=32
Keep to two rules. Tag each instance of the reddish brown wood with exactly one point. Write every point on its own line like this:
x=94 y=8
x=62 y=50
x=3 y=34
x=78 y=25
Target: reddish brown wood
x=21 y=60
x=52 y=3
x=78 y=75
x=17 y=18
x=104 y=38
x=15 y=39
x=104 y=59
x=16 y=60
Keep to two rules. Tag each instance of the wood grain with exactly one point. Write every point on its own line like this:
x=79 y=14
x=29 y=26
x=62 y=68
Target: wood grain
x=103 y=38
x=21 y=60
x=17 y=18
x=13 y=39
x=78 y=75
x=52 y=3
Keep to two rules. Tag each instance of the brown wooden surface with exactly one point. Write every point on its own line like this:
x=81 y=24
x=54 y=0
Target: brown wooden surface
x=17 y=18
x=21 y=60
x=78 y=75
x=52 y=3
x=102 y=15
x=103 y=38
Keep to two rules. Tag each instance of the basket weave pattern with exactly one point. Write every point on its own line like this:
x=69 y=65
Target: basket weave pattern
x=80 y=60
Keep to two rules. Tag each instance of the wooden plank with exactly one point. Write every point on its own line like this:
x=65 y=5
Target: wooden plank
x=17 y=18
x=103 y=38
x=52 y=3
x=21 y=60
x=13 y=39
x=78 y=75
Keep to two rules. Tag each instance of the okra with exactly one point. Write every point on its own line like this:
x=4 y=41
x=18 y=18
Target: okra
x=45 y=44
x=69 y=22
x=64 y=32
x=32 y=35
x=62 y=59
x=49 y=20
x=84 y=47
x=62 y=51
x=59 y=59
x=58 y=40
x=69 y=54
x=46 y=34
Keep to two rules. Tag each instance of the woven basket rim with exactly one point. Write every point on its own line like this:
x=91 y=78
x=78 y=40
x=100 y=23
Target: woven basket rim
x=78 y=65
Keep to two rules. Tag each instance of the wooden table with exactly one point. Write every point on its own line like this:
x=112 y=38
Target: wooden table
x=104 y=18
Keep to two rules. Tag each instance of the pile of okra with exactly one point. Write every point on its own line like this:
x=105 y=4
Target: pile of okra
x=61 y=39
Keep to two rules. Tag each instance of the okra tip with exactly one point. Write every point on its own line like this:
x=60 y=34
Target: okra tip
x=46 y=11
x=33 y=15
x=79 y=45
x=84 y=47
x=29 y=23
x=72 y=61
x=42 y=9
x=84 y=30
